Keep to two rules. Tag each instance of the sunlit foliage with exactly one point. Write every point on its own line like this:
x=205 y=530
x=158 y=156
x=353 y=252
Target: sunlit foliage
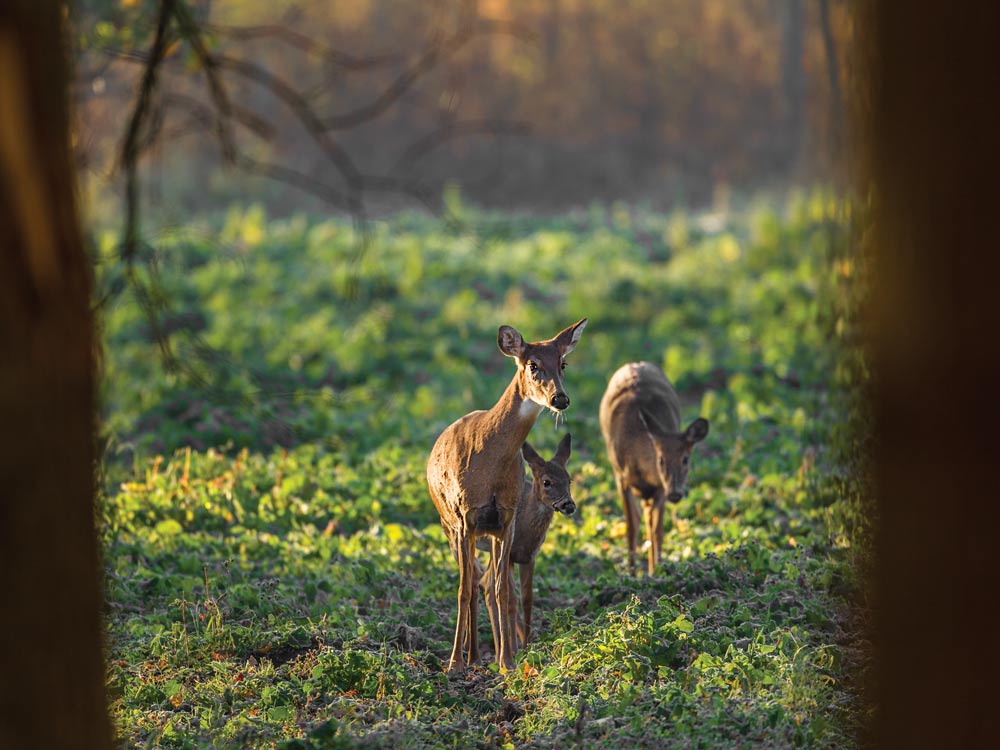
x=276 y=571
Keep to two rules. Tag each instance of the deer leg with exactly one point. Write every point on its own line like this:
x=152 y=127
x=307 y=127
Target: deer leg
x=526 y=573
x=473 y=632
x=631 y=521
x=479 y=576
x=648 y=510
x=512 y=608
x=656 y=531
x=501 y=581
x=466 y=572
x=489 y=594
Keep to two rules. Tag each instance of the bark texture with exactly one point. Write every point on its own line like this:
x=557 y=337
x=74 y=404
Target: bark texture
x=51 y=662
x=931 y=130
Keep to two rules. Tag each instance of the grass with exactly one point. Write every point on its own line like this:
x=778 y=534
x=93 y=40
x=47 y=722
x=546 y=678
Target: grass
x=276 y=575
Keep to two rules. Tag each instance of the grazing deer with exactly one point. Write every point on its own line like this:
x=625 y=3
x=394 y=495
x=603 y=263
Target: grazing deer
x=547 y=491
x=475 y=475
x=640 y=419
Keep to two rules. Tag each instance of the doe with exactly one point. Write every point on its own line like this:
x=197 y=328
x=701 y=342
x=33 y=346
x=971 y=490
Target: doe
x=475 y=475
x=640 y=419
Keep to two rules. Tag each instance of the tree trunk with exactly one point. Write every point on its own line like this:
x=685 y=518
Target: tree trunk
x=793 y=82
x=931 y=128
x=833 y=80
x=51 y=665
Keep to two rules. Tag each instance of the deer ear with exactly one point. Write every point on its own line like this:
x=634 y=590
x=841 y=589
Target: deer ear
x=696 y=431
x=531 y=455
x=562 y=452
x=568 y=339
x=510 y=341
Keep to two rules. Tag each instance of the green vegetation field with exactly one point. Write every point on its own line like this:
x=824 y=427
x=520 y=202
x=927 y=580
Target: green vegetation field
x=276 y=574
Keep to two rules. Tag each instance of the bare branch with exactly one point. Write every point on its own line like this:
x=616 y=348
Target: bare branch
x=189 y=30
x=302 y=110
x=317 y=128
x=333 y=57
x=300 y=180
x=132 y=147
x=250 y=120
x=193 y=125
x=434 y=54
x=151 y=122
x=413 y=188
x=436 y=138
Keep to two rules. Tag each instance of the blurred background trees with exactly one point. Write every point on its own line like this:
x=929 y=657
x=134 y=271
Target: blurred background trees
x=559 y=103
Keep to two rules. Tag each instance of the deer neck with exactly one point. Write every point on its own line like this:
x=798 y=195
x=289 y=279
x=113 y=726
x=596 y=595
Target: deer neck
x=512 y=417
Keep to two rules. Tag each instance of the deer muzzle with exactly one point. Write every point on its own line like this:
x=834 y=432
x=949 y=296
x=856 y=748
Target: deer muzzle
x=560 y=401
x=565 y=506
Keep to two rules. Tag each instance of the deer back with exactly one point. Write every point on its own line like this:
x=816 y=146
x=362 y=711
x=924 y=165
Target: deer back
x=639 y=399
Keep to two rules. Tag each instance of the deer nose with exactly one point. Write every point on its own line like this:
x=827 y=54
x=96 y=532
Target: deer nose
x=560 y=401
x=567 y=506
x=675 y=496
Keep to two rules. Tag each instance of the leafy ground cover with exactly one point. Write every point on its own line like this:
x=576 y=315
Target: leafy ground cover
x=276 y=575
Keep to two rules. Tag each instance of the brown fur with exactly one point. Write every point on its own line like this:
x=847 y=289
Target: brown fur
x=640 y=421
x=548 y=491
x=475 y=476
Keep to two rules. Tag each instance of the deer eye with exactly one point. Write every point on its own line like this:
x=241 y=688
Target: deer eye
x=562 y=365
x=532 y=365
x=546 y=483
x=685 y=460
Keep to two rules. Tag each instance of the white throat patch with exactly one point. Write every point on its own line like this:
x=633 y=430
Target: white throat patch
x=530 y=408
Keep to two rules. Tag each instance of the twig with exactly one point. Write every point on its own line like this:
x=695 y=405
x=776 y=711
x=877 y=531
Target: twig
x=307 y=44
x=302 y=110
x=295 y=178
x=131 y=146
x=437 y=138
x=250 y=120
x=190 y=31
x=437 y=52
x=146 y=127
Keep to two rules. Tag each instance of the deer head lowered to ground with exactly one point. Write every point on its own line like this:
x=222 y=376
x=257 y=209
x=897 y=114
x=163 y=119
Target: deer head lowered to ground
x=547 y=491
x=649 y=453
x=475 y=475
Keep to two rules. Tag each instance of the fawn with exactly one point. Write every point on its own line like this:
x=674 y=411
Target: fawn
x=475 y=475
x=640 y=419
x=547 y=491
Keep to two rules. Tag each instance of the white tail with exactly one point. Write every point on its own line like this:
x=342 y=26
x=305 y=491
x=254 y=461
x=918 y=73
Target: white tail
x=475 y=475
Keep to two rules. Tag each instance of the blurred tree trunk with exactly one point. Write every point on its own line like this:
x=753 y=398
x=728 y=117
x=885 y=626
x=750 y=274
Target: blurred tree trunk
x=594 y=79
x=51 y=665
x=793 y=81
x=553 y=21
x=932 y=73
x=644 y=151
x=833 y=79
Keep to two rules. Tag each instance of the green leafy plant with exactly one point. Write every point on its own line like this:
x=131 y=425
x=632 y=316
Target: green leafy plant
x=276 y=574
